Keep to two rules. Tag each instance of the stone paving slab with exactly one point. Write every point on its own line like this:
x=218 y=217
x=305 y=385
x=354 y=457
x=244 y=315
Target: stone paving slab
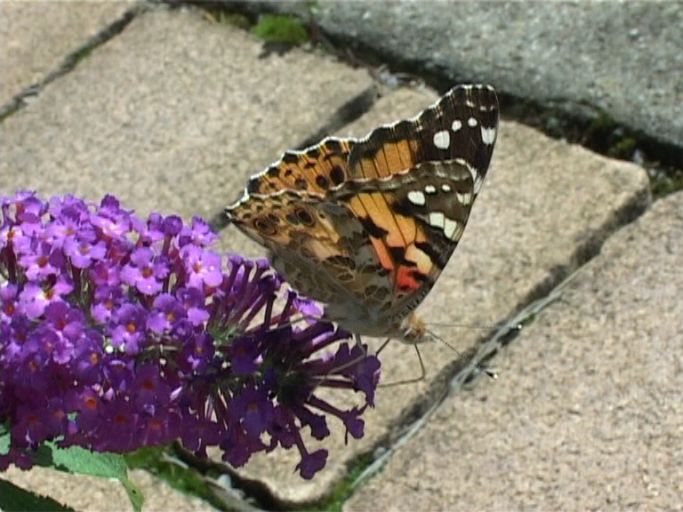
x=546 y=206
x=587 y=411
x=90 y=494
x=623 y=58
x=36 y=36
x=170 y=115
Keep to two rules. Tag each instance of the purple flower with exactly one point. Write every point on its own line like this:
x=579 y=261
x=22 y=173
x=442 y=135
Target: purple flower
x=117 y=333
x=144 y=271
x=41 y=262
x=128 y=327
x=202 y=267
x=82 y=253
x=35 y=298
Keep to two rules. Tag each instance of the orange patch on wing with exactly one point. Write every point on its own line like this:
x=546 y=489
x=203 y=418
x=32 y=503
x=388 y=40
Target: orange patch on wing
x=405 y=280
x=382 y=253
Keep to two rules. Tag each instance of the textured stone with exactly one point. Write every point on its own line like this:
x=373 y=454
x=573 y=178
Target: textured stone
x=171 y=115
x=86 y=493
x=587 y=411
x=620 y=58
x=546 y=206
x=36 y=36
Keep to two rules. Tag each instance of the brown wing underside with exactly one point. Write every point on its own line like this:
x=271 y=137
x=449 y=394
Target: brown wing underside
x=374 y=221
x=369 y=243
x=314 y=170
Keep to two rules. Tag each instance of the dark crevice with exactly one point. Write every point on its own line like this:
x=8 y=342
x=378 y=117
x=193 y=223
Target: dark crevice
x=255 y=494
x=71 y=60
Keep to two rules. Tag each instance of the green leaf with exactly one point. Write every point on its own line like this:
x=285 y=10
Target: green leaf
x=105 y=465
x=4 y=441
x=15 y=499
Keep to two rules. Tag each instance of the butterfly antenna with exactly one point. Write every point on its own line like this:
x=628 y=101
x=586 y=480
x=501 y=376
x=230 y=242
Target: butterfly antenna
x=481 y=367
x=439 y=338
x=483 y=326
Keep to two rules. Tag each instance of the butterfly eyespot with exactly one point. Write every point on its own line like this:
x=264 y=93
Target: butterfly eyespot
x=288 y=173
x=337 y=175
x=304 y=217
x=265 y=227
x=322 y=181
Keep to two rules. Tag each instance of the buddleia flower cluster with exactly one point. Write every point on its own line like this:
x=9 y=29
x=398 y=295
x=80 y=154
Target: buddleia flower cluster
x=118 y=333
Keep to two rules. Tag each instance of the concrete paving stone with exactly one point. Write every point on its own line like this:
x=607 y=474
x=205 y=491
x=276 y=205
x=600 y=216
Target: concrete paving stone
x=36 y=36
x=587 y=411
x=622 y=58
x=546 y=206
x=86 y=493
x=171 y=115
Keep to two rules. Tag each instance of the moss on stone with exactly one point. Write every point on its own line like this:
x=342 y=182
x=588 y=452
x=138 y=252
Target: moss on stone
x=280 y=29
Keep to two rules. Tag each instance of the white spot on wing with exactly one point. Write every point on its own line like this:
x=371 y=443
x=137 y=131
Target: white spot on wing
x=456 y=125
x=437 y=219
x=430 y=189
x=442 y=139
x=450 y=229
x=488 y=135
x=446 y=187
x=465 y=199
x=476 y=178
x=416 y=197
x=471 y=122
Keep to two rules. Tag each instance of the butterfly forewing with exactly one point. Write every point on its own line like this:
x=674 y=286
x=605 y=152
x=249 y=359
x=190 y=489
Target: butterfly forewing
x=461 y=125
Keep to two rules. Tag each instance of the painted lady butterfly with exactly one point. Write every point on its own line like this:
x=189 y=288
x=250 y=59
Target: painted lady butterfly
x=366 y=226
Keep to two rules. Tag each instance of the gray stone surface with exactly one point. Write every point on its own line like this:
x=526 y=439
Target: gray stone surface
x=544 y=207
x=587 y=411
x=625 y=58
x=36 y=36
x=171 y=115
x=90 y=494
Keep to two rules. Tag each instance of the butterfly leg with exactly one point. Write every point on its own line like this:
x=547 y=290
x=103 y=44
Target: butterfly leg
x=422 y=376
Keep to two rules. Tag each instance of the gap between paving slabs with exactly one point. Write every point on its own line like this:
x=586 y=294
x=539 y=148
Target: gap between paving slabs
x=72 y=58
x=545 y=210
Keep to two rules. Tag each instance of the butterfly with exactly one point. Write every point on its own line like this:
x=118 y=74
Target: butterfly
x=366 y=226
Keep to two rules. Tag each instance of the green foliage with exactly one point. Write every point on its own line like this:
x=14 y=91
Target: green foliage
x=280 y=29
x=77 y=460
x=74 y=460
x=666 y=183
x=623 y=148
x=16 y=499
